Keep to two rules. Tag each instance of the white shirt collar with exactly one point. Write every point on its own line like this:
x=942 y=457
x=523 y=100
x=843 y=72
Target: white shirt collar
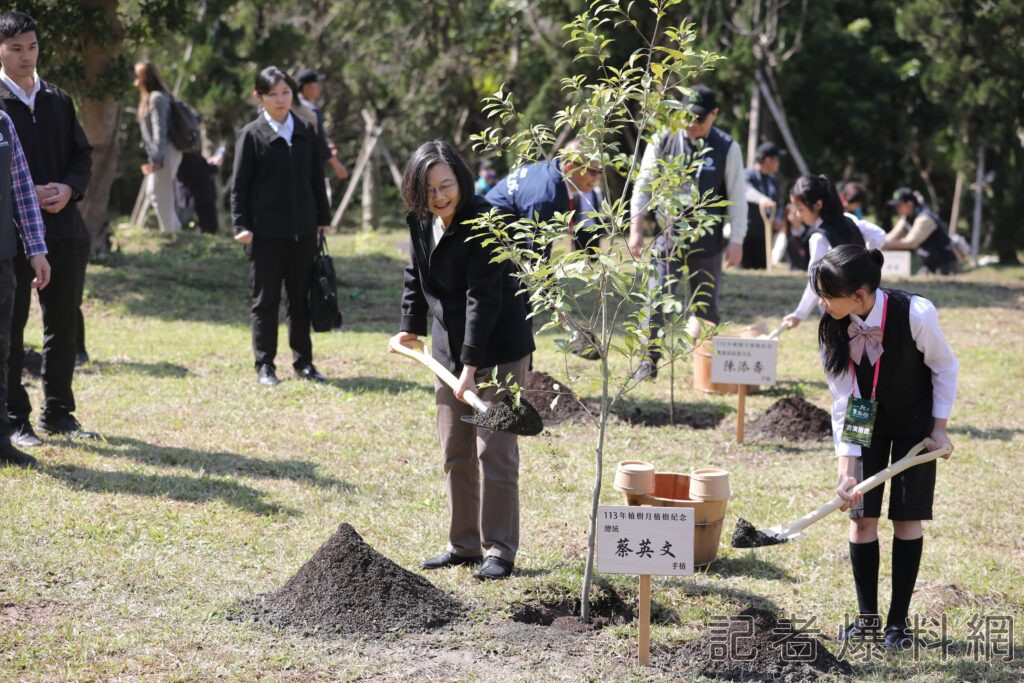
x=28 y=98
x=284 y=130
x=817 y=224
x=308 y=104
x=874 y=318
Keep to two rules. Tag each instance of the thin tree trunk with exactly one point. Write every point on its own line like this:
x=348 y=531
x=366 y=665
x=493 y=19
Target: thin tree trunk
x=99 y=118
x=979 y=191
x=369 y=221
x=588 y=572
x=754 y=129
x=781 y=122
x=954 y=214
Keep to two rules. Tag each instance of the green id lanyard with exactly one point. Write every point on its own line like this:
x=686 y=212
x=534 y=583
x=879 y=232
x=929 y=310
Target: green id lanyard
x=859 y=423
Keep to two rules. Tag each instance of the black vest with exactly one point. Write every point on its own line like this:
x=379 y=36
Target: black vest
x=937 y=250
x=904 y=381
x=798 y=250
x=710 y=178
x=8 y=238
x=838 y=235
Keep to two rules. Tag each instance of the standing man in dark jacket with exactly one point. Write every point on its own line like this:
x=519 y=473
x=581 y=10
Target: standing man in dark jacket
x=762 y=196
x=60 y=161
x=17 y=201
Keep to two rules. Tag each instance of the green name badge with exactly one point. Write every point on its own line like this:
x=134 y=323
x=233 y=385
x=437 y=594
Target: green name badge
x=859 y=423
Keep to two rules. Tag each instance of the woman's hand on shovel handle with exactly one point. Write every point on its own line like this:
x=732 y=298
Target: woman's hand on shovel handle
x=938 y=438
x=791 y=321
x=467 y=382
x=405 y=339
x=847 y=481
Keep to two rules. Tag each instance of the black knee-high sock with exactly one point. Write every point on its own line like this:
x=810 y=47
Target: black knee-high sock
x=864 y=558
x=906 y=559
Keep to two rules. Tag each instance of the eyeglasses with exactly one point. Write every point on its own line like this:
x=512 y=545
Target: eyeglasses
x=442 y=189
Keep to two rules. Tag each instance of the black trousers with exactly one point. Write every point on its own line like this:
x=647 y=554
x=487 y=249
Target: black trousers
x=274 y=262
x=754 y=257
x=7 y=286
x=60 y=302
x=910 y=492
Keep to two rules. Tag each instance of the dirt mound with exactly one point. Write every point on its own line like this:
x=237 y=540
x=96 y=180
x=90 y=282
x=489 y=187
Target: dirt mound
x=348 y=587
x=745 y=649
x=793 y=419
x=552 y=399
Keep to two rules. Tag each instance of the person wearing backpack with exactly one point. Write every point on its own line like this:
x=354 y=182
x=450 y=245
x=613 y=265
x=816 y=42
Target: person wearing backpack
x=59 y=158
x=164 y=158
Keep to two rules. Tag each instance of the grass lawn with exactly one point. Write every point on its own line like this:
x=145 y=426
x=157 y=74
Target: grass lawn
x=120 y=558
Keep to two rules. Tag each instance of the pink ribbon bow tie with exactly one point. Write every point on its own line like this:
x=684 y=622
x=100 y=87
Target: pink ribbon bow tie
x=864 y=338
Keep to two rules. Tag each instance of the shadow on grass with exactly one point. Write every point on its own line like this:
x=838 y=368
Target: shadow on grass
x=118 y=367
x=175 y=487
x=378 y=385
x=735 y=595
x=652 y=413
x=750 y=565
x=997 y=434
x=215 y=463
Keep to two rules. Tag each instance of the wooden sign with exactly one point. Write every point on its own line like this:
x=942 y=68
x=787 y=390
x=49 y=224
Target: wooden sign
x=897 y=264
x=644 y=540
x=744 y=361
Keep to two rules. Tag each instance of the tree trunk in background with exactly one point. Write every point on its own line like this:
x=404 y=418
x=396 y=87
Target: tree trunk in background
x=780 y=121
x=99 y=118
x=754 y=130
x=954 y=213
x=370 y=193
x=979 y=192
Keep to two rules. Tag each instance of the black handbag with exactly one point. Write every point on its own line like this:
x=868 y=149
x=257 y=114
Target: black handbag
x=324 y=313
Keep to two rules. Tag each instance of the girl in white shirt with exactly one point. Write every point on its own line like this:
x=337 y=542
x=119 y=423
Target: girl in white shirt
x=884 y=354
x=819 y=207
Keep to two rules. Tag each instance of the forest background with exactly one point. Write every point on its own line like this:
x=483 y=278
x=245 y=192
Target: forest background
x=926 y=93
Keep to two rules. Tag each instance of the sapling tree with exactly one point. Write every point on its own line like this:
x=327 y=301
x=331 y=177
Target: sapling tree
x=601 y=295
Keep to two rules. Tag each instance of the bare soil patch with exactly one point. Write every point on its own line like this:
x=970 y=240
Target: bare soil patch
x=552 y=399
x=347 y=587
x=793 y=419
x=751 y=648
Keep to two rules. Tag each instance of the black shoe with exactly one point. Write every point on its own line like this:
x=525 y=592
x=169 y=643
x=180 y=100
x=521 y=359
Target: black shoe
x=9 y=455
x=494 y=568
x=65 y=425
x=23 y=436
x=311 y=373
x=898 y=638
x=265 y=375
x=863 y=629
x=449 y=559
x=647 y=370
x=81 y=358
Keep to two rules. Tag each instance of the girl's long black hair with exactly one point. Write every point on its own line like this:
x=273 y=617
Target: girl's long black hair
x=841 y=272
x=838 y=229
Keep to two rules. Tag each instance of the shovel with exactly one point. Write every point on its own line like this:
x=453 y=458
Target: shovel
x=746 y=536
x=500 y=417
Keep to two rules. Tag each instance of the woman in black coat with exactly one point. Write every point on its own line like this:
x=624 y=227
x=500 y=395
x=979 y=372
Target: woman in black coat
x=479 y=324
x=278 y=207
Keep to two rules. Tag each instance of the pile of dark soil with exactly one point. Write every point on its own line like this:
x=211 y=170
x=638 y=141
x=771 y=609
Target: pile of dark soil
x=541 y=392
x=733 y=654
x=745 y=535
x=793 y=419
x=348 y=587
x=505 y=416
x=657 y=414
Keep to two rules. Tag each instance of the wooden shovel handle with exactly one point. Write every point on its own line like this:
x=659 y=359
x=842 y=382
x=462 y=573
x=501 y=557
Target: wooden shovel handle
x=913 y=458
x=441 y=371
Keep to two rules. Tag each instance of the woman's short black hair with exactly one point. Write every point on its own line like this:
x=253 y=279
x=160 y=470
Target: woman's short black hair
x=414 y=177
x=271 y=76
x=854 y=193
x=15 y=23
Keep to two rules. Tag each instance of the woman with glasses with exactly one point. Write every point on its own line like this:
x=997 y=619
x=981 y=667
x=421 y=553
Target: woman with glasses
x=479 y=325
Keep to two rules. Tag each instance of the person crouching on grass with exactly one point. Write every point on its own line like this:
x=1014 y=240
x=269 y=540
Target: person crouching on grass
x=278 y=205
x=479 y=324
x=906 y=376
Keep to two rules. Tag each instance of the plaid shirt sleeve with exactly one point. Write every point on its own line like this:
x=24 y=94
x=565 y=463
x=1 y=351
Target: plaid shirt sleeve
x=23 y=192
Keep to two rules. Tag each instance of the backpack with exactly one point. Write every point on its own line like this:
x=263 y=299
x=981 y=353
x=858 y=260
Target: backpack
x=324 y=314
x=184 y=128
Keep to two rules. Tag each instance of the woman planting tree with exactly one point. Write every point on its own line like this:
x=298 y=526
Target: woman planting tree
x=893 y=380
x=479 y=324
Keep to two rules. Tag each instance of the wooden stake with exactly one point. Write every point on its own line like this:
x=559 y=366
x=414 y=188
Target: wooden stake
x=767 y=240
x=644 y=655
x=741 y=410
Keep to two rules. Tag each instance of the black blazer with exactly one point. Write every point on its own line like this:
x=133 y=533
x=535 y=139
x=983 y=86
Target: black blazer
x=479 y=319
x=57 y=151
x=277 y=190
